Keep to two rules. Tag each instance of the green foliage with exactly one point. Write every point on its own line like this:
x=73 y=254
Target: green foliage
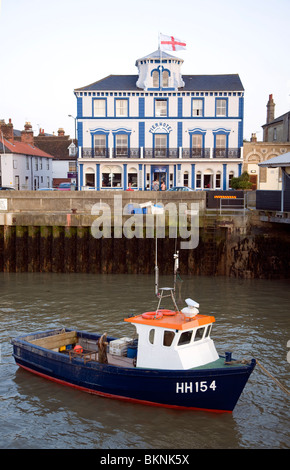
x=242 y=182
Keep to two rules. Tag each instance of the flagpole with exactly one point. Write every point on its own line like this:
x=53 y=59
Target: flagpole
x=160 y=51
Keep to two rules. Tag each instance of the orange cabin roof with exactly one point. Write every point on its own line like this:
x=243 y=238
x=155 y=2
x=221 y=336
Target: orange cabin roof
x=176 y=322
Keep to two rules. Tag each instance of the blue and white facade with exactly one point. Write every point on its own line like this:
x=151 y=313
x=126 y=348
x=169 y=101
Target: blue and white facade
x=159 y=125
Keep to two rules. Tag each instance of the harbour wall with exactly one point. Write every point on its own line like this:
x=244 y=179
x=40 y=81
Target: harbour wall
x=52 y=232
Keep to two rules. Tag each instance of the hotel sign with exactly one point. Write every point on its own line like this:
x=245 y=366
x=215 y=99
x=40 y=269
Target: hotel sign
x=160 y=127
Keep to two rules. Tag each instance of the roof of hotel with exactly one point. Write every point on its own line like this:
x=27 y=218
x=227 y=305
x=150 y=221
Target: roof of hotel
x=230 y=82
x=159 y=55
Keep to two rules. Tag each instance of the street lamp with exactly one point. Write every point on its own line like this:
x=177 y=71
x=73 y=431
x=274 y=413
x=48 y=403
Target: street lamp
x=76 y=145
x=75 y=119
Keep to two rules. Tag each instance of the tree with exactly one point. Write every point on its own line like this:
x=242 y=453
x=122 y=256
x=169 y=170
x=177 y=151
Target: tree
x=242 y=182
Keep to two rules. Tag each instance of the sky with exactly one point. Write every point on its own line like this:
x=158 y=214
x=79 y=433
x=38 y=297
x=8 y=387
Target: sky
x=49 y=48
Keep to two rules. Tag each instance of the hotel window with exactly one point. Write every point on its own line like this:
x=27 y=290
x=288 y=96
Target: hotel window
x=99 y=108
x=221 y=107
x=165 y=78
x=160 y=108
x=221 y=141
x=121 y=107
x=160 y=145
x=155 y=76
x=220 y=145
x=121 y=143
x=198 y=179
x=185 y=178
x=100 y=145
x=197 y=107
x=132 y=177
x=111 y=177
x=197 y=145
x=218 y=180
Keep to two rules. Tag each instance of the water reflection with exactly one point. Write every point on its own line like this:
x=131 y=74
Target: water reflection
x=252 y=319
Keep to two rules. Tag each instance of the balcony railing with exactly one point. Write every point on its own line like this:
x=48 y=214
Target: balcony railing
x=196 y=153
x=95 y=152
x=227 y=153
x=161 y=153
x=125 y=152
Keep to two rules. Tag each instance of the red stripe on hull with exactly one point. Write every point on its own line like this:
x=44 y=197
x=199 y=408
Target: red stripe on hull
x=118 y=397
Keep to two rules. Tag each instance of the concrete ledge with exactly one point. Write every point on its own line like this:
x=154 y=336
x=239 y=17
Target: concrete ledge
x=83 y=201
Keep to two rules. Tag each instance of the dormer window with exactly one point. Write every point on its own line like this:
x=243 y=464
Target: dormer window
x=165 y=78
x=155 y=76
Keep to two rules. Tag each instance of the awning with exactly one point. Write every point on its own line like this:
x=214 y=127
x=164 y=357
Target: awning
x=275 y=162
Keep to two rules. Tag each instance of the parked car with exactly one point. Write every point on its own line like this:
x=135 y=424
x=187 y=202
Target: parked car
x=45 y=189
x=6 y=188
x=180 y=188
x=66 y=187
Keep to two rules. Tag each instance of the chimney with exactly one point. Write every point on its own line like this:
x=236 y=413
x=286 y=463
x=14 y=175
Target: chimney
x=60 y=132
x=254 y=138
x=7 y=130
x=27 y=135
x=270 y=110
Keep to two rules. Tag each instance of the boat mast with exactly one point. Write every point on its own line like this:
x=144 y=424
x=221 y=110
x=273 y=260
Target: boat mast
x=166 y=291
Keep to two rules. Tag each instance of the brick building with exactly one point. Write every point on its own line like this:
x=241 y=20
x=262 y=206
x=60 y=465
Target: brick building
x=276 y=141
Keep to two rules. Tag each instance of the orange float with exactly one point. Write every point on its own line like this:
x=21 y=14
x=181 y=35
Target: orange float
x=78 y=348
x=152 y=315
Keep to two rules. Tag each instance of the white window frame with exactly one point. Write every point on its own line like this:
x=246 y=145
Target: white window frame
x=121 y=107
x=221 y=107
x=161 y=107
x=197 y=107
x=100 y=105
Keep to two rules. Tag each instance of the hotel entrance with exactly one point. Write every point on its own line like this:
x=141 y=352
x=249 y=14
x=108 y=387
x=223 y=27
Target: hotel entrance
x=160 y=174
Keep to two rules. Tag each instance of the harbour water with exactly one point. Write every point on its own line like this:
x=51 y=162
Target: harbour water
x=252 y=320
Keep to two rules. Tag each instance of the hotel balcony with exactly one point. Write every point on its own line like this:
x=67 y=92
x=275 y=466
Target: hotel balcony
x=164 y=153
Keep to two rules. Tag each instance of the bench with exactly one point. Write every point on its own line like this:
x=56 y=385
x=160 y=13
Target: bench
x=55 y=342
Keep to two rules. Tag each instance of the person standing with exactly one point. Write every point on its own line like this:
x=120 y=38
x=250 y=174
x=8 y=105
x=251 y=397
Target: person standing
x=155 y=185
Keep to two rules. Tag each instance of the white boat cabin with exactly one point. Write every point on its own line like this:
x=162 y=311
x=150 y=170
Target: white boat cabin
x=174 y=340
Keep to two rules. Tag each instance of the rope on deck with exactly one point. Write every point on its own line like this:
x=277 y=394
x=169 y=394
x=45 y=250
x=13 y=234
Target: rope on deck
x=272 y=377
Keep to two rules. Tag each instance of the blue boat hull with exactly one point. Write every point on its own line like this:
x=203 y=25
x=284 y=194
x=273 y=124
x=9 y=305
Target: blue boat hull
x=213 y=389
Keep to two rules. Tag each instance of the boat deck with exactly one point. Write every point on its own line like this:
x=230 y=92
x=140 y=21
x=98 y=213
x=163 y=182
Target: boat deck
x=65 y=341
x=92 y=355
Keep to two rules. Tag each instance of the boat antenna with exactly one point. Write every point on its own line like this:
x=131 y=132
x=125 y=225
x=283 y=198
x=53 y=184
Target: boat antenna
x=176 y=267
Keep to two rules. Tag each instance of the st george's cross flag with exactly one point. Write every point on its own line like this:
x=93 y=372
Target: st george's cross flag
x=170 y=43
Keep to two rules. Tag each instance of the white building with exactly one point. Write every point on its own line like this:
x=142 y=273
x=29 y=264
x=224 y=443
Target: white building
x=183 y=130
x=24 y=166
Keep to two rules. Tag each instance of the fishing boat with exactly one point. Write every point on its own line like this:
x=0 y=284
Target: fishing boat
x=172 y=362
